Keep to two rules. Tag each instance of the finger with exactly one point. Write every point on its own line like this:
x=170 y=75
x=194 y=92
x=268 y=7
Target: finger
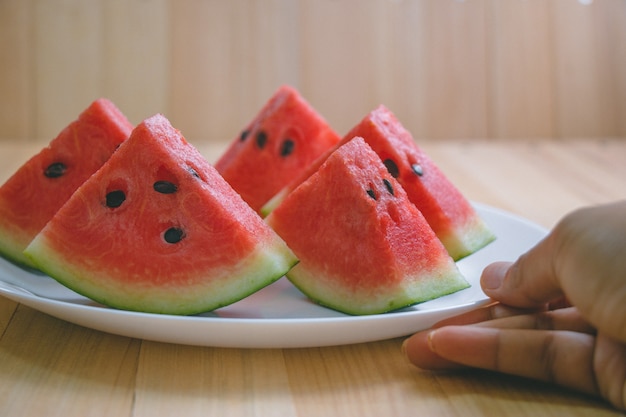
x=497 y=310
x=566 y=319
x=418 y=350
x=561 y=357
x=610 y=365
x=487 y=313
x=529 y=282
x=417 y=347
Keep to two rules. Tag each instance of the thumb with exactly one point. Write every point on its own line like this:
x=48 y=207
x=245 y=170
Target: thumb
x=529 y=282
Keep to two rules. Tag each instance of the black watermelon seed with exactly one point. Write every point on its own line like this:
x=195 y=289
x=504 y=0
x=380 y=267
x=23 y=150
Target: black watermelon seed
x=417 y=169
x=55 y=170
x=388 y=185
x=287 y=147
x=392 y=167
x=371 y=193
x=173 y=235
x=165 y=187
x=244 y=135
x=115 y=198
x=261 y=139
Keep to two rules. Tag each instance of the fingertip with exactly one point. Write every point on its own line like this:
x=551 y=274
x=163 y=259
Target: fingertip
x=419 y=351
x=493 y=275
x=529 y=282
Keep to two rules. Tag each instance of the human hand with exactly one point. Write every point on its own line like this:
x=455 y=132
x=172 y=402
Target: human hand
x=560 y=316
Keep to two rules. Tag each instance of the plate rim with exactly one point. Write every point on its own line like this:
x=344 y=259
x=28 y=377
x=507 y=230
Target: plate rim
x=63 y=310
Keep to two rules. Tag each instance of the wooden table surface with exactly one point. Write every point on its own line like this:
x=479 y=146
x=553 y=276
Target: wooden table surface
x=54 y=368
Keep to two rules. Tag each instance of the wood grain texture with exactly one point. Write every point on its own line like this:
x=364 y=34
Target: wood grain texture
x=16 y=70
x=67 y=43
x=588 y=84
x=520 y=70
x=48 y=368
x=211 y=381
x=498 y=69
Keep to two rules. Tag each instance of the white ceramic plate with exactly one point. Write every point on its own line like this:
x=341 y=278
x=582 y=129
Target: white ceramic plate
x=278 y=316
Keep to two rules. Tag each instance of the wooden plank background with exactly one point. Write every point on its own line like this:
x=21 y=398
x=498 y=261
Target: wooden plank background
x=500 y=69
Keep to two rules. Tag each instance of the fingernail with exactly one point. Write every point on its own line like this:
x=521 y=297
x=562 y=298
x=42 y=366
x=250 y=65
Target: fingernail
x=405 y=351
x=403 y=347
x=431 y=341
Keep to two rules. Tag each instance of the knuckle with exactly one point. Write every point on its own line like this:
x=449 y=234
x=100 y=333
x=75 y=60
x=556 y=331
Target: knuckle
x=548 y=359
x=544 y=321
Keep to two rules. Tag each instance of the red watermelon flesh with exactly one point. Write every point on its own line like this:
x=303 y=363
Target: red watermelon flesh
x=158 y=230
x=284 y=138
x=446 y=209
x=30 y=197
x=364 y=248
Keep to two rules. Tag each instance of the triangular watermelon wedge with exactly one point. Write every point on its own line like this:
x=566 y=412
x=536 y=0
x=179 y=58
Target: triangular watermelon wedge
x=364 y=248
x=158 y=230
x=30 y=197
x=449 y=213
x=282 y=140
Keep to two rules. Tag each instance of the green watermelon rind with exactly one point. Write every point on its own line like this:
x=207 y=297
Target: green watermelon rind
x=274 y=202
x=11 y=249
x=266 y=264
x=443 y=281
x=468 y=238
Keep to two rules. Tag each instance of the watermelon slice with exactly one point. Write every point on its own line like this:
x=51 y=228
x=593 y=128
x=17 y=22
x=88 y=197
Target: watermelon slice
x=448 y=212
x=43 y=184
x=284 y=138
x=446 y=209
x=364 y=248
x=158 y=230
